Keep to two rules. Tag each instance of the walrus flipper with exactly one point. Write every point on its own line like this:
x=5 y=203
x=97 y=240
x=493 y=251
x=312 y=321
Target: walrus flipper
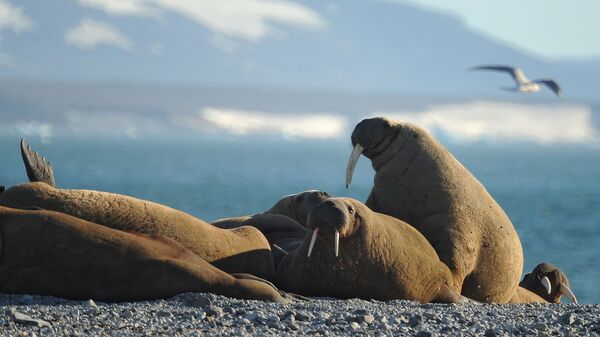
x=38 y=168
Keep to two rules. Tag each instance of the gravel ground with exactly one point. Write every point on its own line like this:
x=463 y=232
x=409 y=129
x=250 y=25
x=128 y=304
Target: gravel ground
x=206 y=314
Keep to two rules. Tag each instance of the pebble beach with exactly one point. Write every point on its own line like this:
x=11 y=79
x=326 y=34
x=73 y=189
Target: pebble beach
x=197 y=314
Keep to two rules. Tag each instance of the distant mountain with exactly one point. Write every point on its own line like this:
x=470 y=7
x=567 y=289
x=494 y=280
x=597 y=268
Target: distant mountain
x=368 y=46
x=55 y=109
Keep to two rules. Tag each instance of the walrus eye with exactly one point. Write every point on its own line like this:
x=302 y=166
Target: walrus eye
x=351 y=210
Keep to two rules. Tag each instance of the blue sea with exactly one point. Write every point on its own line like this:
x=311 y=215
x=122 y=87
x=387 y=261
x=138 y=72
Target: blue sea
x=551 y=193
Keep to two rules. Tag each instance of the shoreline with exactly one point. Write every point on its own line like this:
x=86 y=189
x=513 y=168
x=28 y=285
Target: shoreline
x=197 y=314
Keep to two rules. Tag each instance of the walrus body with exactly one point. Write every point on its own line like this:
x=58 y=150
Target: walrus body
x=51 y=253
x=380 y=257
x=239 y=250
x=418 y=181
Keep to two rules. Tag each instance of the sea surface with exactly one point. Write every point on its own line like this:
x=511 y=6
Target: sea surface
x=551 y=193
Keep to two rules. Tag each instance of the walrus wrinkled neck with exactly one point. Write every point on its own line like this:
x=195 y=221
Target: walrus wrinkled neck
x=395 y=149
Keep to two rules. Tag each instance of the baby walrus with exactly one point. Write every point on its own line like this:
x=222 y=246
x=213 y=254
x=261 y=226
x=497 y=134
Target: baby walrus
x=355 y=252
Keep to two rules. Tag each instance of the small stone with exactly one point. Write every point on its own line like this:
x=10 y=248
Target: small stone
x=126 y=314
x=198 y=302
x=273 y=325
x=293 y=325
x=415 y=320
x=19 y=317
x=567 y=319
x=251 y=316
x=289 y=317
x=303 y=316
x=75 y=313
x=360 y=312
x=490 y=333
x=91 y=303
x=540 y=326
x=355 y=326
x=324 y=316
x=400 y=320
x=214 y=310
x=425 y=334
x=168 y=314
x=368 y=318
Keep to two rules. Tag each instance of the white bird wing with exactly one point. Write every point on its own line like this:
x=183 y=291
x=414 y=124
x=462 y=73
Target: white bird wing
x=516 y=73
x=550 y=83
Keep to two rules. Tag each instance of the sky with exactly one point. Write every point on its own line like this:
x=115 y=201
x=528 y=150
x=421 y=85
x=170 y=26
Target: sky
x=361 y=46
x=552 y=28
x=539 y=26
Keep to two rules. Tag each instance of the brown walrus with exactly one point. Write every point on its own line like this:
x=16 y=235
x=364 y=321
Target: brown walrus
x=284 y=234
x=239 y=250
x=355 y=252
x=52 y=253
x=547 y=282
x=294 y=206
x=284 y=224
x=418 y=181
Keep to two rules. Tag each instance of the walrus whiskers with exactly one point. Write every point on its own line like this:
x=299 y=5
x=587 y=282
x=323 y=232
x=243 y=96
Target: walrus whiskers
x=545 y=281
x=312 y=241
x=565 y=290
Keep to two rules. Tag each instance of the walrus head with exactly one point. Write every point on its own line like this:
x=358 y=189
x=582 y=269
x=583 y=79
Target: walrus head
x=548 y=282
x=369 y=138
x=298 y=206
x=334 y=217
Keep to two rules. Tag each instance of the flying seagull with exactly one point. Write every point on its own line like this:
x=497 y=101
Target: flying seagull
x=524 y=85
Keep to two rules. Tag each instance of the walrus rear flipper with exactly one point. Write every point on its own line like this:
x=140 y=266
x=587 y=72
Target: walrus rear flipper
x=38 y=168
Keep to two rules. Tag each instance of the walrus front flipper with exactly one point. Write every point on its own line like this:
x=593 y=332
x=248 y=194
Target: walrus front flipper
x=38 y=168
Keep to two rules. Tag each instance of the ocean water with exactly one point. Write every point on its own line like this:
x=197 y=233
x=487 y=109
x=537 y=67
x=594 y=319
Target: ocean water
x=551 y=193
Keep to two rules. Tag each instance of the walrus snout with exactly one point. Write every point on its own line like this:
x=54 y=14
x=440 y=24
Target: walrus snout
x=330 y=216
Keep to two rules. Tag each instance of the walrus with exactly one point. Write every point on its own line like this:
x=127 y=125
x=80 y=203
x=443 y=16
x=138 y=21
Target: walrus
x=294 y=206
x=283 y=234
x=547 y=282
x=284 y=224
x=52 y=253
x=238 y=250
x=357 y=253
x=418 y=181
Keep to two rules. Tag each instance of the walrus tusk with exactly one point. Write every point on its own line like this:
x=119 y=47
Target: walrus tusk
x=312 y=241
x=356 y=152
x=337 y=243
x=546 y=283
x=280 y=249
x=566 y=291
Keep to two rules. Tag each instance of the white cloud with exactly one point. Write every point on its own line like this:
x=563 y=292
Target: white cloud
x=112 y=123
x=123 y=7
x=247 y=19
x=91 y=33
x=250 y=20
x=500 y=121
x=34 y=129
x=241 y=122
x=13 y=18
